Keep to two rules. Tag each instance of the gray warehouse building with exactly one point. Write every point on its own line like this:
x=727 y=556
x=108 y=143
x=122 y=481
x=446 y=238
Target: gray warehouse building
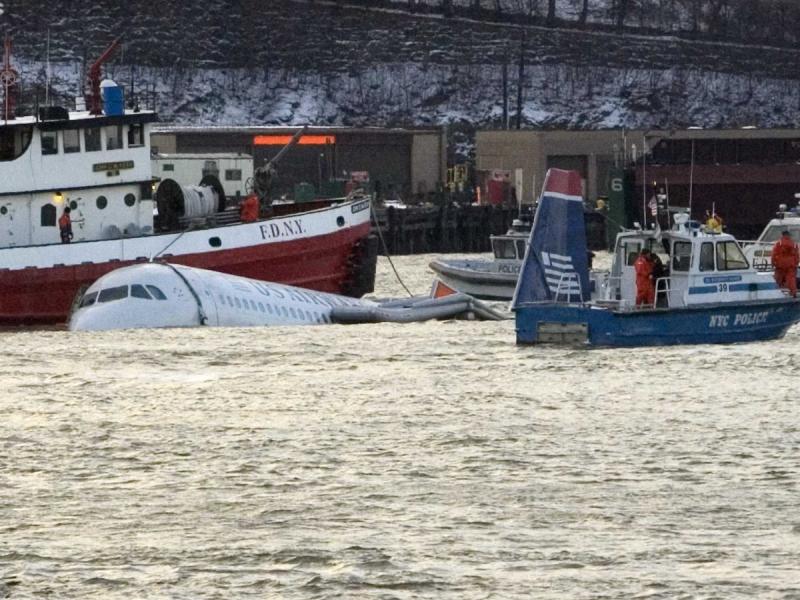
x=404 y=161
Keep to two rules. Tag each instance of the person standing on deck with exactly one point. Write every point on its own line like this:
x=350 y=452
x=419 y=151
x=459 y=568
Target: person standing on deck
x=645 y=292
x=785 y=258
x=248 y=209
x=65 y=226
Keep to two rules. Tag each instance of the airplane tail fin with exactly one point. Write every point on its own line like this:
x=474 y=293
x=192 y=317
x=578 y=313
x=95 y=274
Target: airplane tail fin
x=556 y=267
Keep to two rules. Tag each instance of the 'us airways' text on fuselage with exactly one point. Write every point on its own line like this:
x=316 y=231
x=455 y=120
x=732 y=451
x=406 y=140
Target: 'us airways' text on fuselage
x=272 y=231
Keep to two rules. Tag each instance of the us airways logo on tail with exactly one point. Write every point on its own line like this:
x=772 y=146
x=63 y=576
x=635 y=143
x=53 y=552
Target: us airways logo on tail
x=560 y=274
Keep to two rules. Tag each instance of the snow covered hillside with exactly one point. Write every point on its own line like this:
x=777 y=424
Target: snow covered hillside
x=325 y=63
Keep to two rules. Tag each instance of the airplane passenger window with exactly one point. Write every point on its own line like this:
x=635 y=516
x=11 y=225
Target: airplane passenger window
x=157 y=293
x=114 y=293
x=138 y=291
x=88 y=299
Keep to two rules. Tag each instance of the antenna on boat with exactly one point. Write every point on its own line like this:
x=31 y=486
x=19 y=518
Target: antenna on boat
x=8 y=79
x=691 y=178
x=47 y=72
x=644 y=180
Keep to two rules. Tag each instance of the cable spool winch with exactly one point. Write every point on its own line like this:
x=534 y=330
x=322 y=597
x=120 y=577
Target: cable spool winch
x=175 y=201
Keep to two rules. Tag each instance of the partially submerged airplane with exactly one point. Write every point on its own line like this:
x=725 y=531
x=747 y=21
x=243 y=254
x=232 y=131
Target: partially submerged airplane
x=160 y=294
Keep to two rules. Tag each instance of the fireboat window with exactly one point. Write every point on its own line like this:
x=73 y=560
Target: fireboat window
x=14 y=141
x=48 y=215
x=114 y=137
x=730 y=257
x=135 y=135
x=91 y=139
x=72 y=141
x=114 y=293
x=233 y=174
x=49 y=142
x=521 y=249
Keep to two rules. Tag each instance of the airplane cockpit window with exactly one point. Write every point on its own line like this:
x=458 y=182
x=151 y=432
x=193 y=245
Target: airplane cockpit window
x=138 y=291
x=114 y=293
x=157 y=293
x=88 y=299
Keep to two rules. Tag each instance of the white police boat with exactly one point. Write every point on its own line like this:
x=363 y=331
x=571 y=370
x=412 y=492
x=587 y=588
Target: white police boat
x=709 y=293
x=759 y=252
x=493 y=279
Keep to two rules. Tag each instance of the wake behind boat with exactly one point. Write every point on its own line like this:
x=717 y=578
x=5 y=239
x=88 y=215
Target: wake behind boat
x=710 y=293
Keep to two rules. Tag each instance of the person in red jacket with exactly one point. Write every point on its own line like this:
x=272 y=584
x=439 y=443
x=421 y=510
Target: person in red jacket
x=645 y=292
x=785 y=258
x=248 y=209
x=65 y=226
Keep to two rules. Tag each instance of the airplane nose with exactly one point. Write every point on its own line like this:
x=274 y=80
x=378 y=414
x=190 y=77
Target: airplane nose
x=88 y=320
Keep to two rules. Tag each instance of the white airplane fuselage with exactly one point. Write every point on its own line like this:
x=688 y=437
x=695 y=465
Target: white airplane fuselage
x=167 y=295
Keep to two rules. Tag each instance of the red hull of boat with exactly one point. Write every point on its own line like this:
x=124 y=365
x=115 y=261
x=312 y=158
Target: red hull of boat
x=43 y=296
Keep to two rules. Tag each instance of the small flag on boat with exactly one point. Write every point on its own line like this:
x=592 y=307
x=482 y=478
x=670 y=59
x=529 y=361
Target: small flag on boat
x=653 y=204
x=440 y=289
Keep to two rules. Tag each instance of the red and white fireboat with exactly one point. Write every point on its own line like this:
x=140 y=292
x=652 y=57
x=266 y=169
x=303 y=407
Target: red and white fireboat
x=96 y=161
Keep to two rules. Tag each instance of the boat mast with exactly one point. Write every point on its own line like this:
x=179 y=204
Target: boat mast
x=8 y=79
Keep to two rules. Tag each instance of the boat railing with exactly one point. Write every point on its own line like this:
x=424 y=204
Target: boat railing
x=759 y=253
x=565 y=287
x=662 y=292
x=609 y=287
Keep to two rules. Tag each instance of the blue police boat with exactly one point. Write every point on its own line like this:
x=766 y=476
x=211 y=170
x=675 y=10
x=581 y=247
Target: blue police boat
x=708 y=293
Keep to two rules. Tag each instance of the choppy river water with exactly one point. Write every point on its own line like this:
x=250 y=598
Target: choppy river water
x=433 y=460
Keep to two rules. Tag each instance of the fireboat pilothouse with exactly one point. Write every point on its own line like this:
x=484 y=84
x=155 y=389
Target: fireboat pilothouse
x=96 y=161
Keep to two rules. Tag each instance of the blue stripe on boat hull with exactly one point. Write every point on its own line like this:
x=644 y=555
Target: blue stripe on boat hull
x=710 y=324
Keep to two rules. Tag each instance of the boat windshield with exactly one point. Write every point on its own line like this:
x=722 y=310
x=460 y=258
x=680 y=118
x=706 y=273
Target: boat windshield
x=730 y=257
x=773 y=232
x=505 y=249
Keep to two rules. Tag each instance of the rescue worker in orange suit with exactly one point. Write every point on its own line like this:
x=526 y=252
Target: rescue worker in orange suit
x=248 y=209
x=65 y=226
x=645 y=292
x=785 y=258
